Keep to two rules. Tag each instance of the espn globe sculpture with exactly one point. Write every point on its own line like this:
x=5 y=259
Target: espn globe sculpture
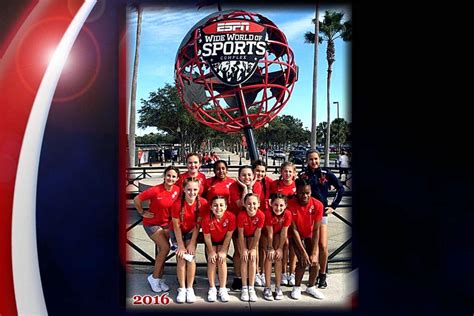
x=235 y=71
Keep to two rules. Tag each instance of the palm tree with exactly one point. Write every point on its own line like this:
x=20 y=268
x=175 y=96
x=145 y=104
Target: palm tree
x=330 y=29
x=133 y=94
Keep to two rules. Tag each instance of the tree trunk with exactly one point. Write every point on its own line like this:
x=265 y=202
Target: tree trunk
x=314 y=141
x=131 y=136
x=328 y=128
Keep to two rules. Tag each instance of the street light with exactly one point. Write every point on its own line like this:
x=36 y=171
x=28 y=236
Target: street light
x=266 y=138
x=337 y=103
x=178 y=130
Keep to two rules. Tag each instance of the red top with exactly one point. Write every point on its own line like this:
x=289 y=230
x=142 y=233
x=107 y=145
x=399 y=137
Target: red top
x=279 y=187
x=160 y=203
x=215 y=186
x=235 y=194
x=190 y=218
x=200 y=177
x=278 y=222
x=218 y=228
x=250 y=224
x=304 y=216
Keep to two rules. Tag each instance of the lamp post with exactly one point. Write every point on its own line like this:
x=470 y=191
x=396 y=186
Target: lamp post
x=337 y=103
x=180 y=144
x=266 y=138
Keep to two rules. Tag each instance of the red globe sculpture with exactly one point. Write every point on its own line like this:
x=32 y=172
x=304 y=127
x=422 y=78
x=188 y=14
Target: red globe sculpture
x=235 y=70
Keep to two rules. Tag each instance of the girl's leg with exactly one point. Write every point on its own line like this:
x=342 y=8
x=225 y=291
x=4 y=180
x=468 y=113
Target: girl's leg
x=181 y=271
x=211 y=272
x=323 y=248
x=252 y=265
x=160 y=238
x=313 y=269
x=292 y=258
x=222 y=271
x=285 y=257
x=244 y=268
x=300 y=267
x=190 y=270
x=236 y=257
x=262 y=246
x=278 y=263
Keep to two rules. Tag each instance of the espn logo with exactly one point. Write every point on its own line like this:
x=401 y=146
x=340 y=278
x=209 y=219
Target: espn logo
x=232 y=26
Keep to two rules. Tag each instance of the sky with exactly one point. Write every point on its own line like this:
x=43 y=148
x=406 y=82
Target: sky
x=163 y=29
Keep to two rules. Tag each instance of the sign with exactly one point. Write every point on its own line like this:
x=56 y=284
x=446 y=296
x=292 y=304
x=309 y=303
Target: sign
x=232 y=48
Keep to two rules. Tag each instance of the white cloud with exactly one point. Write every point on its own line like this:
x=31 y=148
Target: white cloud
x=295 y=29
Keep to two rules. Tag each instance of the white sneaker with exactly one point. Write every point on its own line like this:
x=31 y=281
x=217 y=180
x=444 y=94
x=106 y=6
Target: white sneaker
x=164 y=286
x=190 y=296
x=284 y=279
x=244 y=295
x=212 y=294
x=223 y=294
x=312 y=291
x=278 y=294
x=267 y=294
x=154 y=283
x=258 y=280
x=296 y=293
x=291 y=280
x=252 y=295
x=181 y=297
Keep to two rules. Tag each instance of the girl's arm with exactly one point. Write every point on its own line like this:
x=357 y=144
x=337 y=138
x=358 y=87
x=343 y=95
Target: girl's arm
x=253 y=245
x=191 y=248
x=212 y=256
x=140 y=210
x=270 y=250
x=179 y=238
x=315 y=238
x=297 y=238
x=242 y=246
x=222 y=255
x=283 y=237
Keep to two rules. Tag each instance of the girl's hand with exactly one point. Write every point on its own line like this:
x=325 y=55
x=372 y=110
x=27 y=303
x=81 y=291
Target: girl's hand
x=271 y=254
x=306 y=260
x=180 y=252
x=191 y=249
x=212 y=256
x=314 y=259
x=147 y=214
x=253 y=255
x=279 y=254
x=245 y=255
x=222 y=256
x=328 y=210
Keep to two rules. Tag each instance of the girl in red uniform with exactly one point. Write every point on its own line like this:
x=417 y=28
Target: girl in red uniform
x=246 y=183
x=249 y=225
x=307 y=213
x=277 y=222
x=260 y=169
x=186 y=214
x=219 y=184
x=286 y=186
x=156 y=221
x=193 y=163
x=217 y=229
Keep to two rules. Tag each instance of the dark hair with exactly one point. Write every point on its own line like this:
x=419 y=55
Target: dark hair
x=171 y=168
x=311 y=151
x=192 y=154
x=278 y=196
x=215 y=198
x=301 y=183
x=255 y=164
x=251 y=194
x=220 y=161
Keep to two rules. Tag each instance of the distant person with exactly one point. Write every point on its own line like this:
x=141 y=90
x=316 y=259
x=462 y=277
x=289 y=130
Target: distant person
x=156 y=221
x=343 y=165
x=321 y=180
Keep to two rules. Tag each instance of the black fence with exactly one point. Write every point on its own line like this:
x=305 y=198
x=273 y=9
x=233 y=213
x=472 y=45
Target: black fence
x=137 y=173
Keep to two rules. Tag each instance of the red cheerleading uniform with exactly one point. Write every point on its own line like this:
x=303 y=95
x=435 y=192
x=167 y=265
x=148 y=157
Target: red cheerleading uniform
x=190 y=218
x=279 y=187
x=200 y=177
x=304 y=216
x=218 y=228
x=278 y=222
x=215 y=186
x=160 y=203
x=235 y=194
x=250 y=224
